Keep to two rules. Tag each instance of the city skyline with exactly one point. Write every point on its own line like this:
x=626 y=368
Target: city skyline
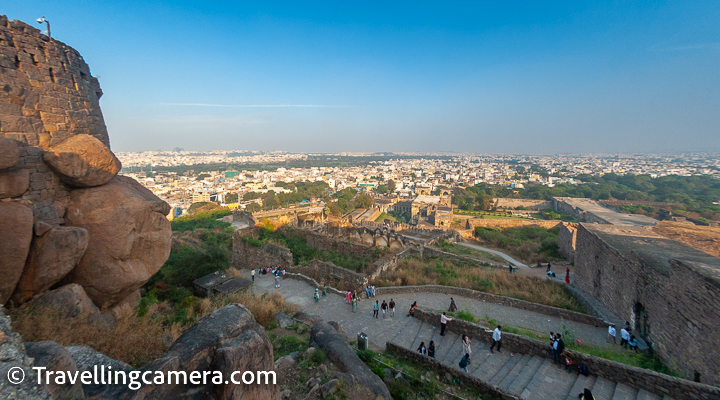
x=409 y=77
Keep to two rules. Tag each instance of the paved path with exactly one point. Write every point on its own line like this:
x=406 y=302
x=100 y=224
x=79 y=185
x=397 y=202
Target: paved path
x=334 y=308
x=498 y=253
x=529 y=376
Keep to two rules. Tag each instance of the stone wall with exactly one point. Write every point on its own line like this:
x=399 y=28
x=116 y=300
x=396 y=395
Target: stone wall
x=510 y=223
x=566 y=240
x=651 y=381
x=57 y=172
x=532 y=204
x=654 y=283
x=442 y=369
x=325 y=272
x=492 y=298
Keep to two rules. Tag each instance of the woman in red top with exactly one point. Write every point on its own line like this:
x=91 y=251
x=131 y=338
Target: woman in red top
x=567 y=276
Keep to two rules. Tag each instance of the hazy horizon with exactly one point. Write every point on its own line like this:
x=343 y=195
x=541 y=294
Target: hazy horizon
x=517 y=78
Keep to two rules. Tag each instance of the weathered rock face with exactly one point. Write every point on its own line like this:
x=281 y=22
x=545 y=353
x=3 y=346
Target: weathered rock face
x=56 y=358
x=52 y=256
x=130 y=238
x=14 y=182
x=18 y=219
x=69 y=300
x=227 y=340
x=82 y=161
x=9 y=153
x=369 y=386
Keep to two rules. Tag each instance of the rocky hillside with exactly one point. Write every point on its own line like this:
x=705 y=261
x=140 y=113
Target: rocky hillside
x=65 y=217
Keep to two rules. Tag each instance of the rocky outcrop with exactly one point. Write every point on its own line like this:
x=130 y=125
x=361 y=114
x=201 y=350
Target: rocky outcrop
x=129 y=241
x=54 y=357
x=9 y=153
x=14 y=182
x=52 y=256
x=367 y=385
x=226 y=340
x=14 y=362
x=16 y=223
x=82 y=161
x=70 y=301
x=85 y=359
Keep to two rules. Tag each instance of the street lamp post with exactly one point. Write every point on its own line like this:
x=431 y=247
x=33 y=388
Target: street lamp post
x=41 y=20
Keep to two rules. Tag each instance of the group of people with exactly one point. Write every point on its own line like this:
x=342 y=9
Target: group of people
x=627 y=339
x=317 y=293
x=551 y=274
x=277 y=271
x=385 y=307
x=370 y=291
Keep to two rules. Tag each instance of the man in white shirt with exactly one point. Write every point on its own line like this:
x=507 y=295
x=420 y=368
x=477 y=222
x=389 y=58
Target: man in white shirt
x=443 y=321
x=625 y=337
x=252 y=274
x=497 y=336
x=612 y=333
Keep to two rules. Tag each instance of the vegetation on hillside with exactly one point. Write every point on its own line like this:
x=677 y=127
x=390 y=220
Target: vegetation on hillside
x=301 y=191
x=416 y=272
x=529 y=243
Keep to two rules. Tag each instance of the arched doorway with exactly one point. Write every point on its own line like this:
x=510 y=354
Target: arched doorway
x=641 y=327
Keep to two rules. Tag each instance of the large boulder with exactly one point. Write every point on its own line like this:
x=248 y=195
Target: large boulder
x=82 y=161
x=367 y=385
x=9 y=153
x=54 y=357
x=52 y=256
x=16 y=223
x=129 y=241
x=14 y=182
x=69 y=300
x=87 y=359
x=226 y=340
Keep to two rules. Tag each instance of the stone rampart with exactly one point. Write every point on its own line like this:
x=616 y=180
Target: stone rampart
x=651 y=381
x=510 y=223
x=493 y=298
x=332 y=275
x=532 y=204
x=669 y=292
x=566 y=240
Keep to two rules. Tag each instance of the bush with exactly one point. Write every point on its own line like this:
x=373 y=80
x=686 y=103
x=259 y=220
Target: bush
x=466 y=316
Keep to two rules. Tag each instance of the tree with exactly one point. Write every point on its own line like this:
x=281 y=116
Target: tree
x=382 y=189
x=391 y=185
x=334 y=210
x=253 y=207
x=231 y=198
x=195 y=206
x=363 y=200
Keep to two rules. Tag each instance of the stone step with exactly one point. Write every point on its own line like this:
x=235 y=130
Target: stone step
x=526 y=374
x=408 y=335
x=504 y=370
x=562 y=382
x=480 y=356
x=581 y=383
x=645 y=395
x=533 y=389
x=450 y=349
x=491 y=366
x=666 y=397
x=624 y=392
x=515 y=371
x=424 y=335
x=603 y=389
x=407 y=325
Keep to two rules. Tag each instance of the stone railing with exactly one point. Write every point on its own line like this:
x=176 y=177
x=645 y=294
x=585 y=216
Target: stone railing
x=466 y=379
x=493 y=298
x=651 y=381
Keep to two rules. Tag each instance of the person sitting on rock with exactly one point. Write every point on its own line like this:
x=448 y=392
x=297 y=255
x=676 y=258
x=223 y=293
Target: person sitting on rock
x=411 y=313
x=453 y=307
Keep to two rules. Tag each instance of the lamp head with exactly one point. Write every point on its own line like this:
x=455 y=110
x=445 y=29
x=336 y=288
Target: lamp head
x=41 y=20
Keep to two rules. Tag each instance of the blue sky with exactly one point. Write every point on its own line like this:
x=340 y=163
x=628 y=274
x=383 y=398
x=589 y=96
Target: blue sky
x=516 y=77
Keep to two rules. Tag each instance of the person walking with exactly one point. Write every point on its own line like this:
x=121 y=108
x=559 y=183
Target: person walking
x=317 y=295
x=384 y=308
x=372 y=289
x=466 y=346
x=348 y=296
x=376 y=306
x=567 y=276
x=443 y=323
x=422 y=349
x=558 y=349
x=367 y=291
x=392 y=307
x=464 y=363
x=354 y=303
x=497 y=337
x=324 y=290
x=612 y=333
x=431 y=349
x=624 y=336
x=632 y=343
x=453 y=307
x=252 y=274
x=277 y=281
x=586 y=395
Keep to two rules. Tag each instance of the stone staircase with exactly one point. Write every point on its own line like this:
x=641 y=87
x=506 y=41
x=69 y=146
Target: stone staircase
x=531 y=377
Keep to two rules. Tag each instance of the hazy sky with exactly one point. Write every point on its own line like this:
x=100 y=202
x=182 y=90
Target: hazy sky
x=531 y=77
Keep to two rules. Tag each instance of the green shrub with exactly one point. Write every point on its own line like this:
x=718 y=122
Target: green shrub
x=466 y=316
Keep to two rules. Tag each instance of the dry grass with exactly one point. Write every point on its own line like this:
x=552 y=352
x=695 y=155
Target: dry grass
x=132 y=339
x=415 y=272
x=704 y=238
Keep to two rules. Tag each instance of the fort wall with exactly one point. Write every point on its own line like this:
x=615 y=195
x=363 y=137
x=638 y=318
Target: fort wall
x=510 y=223
x=532 y=204
x=673 y=302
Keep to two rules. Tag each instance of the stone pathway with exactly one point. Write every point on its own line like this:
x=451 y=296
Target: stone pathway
x=529 y=376
x=497 y=253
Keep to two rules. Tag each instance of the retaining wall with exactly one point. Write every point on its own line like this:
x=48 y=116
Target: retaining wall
x=651 y=381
